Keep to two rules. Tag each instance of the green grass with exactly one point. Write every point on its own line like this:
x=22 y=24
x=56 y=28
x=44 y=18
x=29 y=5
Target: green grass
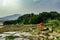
x=16 y=28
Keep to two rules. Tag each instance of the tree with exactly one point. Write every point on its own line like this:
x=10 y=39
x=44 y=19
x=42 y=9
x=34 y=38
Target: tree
x=53 y=23
x=35 y=19
x=10 y=22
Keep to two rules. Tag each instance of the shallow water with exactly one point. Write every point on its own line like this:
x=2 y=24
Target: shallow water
x=15 y=39
x=2 y=38
x=21 y=39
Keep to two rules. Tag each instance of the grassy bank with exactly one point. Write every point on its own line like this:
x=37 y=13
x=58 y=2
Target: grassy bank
x=16 y=28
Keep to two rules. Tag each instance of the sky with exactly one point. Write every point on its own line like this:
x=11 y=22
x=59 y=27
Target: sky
x=10 y=7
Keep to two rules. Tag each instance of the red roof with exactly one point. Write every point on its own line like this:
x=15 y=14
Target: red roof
x=41 y=25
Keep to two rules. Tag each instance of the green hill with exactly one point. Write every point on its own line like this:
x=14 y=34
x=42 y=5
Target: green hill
x=34 y=18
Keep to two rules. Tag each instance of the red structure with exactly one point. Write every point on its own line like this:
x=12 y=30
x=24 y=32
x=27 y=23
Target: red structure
x=40 y=25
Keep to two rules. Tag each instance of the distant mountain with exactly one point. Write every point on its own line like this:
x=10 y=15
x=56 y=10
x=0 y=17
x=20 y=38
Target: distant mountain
x=11 y=17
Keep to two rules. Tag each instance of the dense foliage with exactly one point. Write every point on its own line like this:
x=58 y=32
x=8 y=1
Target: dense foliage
x=34 y=18
x=10 y=22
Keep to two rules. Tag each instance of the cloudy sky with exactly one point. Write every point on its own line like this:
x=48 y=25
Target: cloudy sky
x=10 y=7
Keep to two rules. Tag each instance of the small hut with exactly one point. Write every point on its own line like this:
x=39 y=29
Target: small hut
x=40 y=26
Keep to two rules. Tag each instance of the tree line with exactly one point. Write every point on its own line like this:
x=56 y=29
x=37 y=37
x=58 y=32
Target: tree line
x=35 y=18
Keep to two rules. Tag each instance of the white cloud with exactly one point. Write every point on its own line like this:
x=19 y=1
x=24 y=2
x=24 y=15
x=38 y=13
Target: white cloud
x=28 y=6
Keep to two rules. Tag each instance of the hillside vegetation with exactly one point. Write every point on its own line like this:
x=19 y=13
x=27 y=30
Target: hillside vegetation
x=50 y=19
x=35 y=19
